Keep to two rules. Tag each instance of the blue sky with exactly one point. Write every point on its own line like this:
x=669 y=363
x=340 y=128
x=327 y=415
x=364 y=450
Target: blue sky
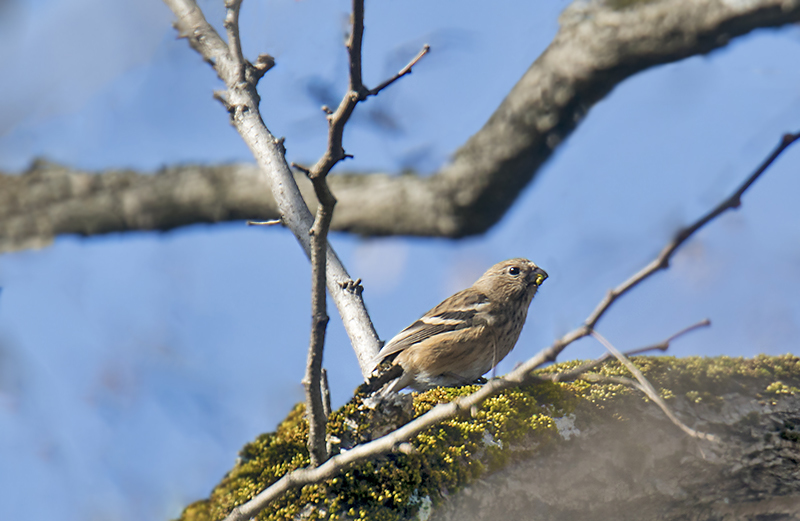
x=133 y=367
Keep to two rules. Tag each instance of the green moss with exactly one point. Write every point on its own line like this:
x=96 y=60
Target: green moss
x=515 y=424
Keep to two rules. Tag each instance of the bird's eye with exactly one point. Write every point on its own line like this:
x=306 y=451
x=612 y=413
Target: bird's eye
x=513 y=270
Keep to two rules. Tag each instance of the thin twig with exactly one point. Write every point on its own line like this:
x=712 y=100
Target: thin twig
x=572 y=374
x=315 y=414
x=519 y=376
x=303 y=169
x=319 y=236
x=272 y=222
x=339 y=118
x=354 y=45
x=357 y=92
x=405 y=70
x=317 y=447
x=662 y=261
x=647 y=388
x=317 y=419
x=326 y=393
x=663 y=346
x=663 y=258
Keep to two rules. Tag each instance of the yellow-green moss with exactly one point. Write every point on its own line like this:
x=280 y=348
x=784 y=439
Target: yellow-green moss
x=779 y=387
x=514 y=424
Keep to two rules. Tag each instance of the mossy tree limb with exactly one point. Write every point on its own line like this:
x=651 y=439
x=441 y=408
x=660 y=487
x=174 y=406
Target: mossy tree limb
x=751 y=404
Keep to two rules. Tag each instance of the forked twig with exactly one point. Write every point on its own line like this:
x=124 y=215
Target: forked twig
x=572 y=374
x=319 y=231
x=645 y=386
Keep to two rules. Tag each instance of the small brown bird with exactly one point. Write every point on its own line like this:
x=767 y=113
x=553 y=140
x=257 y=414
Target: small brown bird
x=467 y=334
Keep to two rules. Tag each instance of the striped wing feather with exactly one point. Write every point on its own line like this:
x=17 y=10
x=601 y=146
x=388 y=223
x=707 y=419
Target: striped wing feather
x=454 y=313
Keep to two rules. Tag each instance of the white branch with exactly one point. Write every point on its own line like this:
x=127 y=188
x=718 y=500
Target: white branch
x=242 y=101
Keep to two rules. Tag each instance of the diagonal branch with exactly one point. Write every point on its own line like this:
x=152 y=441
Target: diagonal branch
x=662 y=261
x=405 y=70
x=572 y=374
x=646 y=387
x=588 y=57
x=394 y=440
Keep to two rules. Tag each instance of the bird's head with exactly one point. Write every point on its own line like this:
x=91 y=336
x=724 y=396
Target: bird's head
x=511 y=279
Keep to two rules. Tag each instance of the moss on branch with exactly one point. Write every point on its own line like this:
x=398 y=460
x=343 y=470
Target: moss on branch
x=519 y=423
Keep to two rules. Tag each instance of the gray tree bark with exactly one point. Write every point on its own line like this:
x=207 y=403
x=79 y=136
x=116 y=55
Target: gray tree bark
x=644 y=468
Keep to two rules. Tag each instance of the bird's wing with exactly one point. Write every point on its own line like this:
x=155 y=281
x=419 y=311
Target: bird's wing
x=456 y=312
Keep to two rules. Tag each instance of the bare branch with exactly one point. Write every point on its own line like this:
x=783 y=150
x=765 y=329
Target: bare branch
x=234 y=42
x=326 y=394
x=317 y=446
x=339 y=118
x=645 y=386
x=319 y=233
x=382 y=445
x=662 y=261
x=587 y=58
x=203 y=38
x=405 y=70
x=315 y=413
x=578 y=372
x=270 y=156
x=354 y=45
x=395 y=439
x=303 y=169
x=663 y=346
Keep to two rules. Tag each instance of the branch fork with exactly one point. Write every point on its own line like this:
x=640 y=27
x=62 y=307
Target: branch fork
x=317 y=445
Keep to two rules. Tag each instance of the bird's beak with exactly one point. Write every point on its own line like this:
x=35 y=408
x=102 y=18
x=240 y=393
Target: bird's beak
x=537 y=276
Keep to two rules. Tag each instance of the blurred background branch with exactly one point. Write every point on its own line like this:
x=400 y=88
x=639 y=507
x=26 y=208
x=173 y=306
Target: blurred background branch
x=589 y=56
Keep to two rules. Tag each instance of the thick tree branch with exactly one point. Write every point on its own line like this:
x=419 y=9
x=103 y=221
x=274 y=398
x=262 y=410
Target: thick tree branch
x=596 y=48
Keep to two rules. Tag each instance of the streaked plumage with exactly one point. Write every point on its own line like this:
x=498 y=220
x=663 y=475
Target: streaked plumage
x=468 y=333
